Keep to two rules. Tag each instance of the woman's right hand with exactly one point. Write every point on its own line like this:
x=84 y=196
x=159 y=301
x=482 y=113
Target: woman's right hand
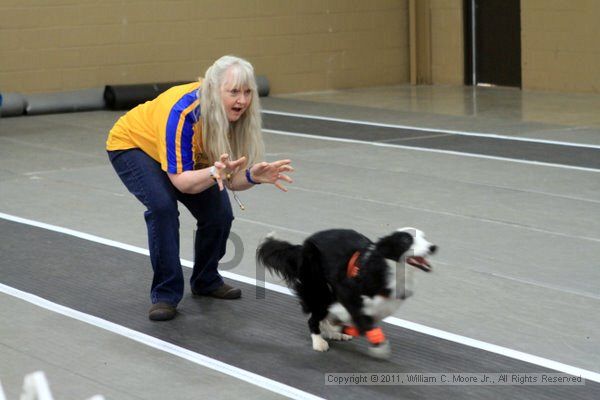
x=225 y=168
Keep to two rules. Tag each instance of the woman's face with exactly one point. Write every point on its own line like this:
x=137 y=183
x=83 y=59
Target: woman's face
x=236 y=100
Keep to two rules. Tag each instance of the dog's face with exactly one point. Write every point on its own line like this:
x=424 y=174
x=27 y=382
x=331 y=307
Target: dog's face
x=419 y=250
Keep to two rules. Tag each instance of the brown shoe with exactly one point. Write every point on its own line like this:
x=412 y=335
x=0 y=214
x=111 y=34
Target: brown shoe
x=225 y=292
x=162 y=312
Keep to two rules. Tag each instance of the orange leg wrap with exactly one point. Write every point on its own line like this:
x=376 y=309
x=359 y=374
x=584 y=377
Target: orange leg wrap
x=351 y=330
x=375 y=336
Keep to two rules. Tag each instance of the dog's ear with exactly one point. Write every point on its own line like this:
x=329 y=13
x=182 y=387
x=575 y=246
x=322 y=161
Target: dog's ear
x=394 y=245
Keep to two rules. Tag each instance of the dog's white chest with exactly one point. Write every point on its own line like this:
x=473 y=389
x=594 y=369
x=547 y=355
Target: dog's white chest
x=378 y=307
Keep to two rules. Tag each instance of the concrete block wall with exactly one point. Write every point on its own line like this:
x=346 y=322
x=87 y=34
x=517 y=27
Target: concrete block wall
x=560 y=45
x=447 y=42
x=300 y=45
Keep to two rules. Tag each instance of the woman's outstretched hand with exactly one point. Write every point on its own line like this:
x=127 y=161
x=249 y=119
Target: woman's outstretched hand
x=226 y=168
x=273 y=172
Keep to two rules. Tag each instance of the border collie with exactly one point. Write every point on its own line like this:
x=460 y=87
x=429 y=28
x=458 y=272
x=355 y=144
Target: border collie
x=344 y=281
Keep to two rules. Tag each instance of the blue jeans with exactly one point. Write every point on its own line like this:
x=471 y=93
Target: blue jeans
x=145 y=179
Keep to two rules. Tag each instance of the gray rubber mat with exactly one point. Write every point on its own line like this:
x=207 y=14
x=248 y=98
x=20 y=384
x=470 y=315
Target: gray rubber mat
x=267 y=336
x=587 y=157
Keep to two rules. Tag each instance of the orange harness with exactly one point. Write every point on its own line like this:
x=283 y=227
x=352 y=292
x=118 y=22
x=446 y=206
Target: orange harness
x=353 y=267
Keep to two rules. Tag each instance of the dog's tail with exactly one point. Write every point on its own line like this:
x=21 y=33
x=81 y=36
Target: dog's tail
x=280 y=257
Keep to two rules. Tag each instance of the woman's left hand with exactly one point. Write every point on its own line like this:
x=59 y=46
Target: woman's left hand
x=265 y=172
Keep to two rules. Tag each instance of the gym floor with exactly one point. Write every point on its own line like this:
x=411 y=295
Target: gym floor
x=505 y=182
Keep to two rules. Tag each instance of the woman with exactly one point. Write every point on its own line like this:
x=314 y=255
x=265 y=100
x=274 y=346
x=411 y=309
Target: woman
x=187 y=145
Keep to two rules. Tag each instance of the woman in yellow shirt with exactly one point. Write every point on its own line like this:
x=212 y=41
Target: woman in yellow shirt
x=186 y=146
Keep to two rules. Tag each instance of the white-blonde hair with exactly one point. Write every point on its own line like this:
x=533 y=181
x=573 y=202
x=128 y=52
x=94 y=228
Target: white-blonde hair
x=242 y=137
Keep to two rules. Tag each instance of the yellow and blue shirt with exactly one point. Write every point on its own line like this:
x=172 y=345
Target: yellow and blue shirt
x=165 y=128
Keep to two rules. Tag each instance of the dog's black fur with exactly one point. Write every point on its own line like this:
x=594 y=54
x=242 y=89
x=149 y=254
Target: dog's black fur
x=317 y=270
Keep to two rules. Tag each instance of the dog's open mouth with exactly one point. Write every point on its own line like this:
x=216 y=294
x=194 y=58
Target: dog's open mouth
x=419 y=262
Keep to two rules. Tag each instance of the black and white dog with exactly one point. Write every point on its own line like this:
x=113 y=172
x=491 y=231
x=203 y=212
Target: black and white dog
x=344 y=281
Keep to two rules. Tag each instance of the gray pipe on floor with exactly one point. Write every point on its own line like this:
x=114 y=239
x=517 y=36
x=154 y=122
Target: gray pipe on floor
x=62 y=102
x=119 y=97
x=13 y=104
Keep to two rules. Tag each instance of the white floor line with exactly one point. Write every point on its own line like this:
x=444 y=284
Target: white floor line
x=422 y=129
x=271 y=226
x=492 y=348
x=196 y=358
x=450 y=152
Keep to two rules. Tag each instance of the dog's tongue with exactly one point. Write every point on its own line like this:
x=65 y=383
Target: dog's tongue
x=419 y=262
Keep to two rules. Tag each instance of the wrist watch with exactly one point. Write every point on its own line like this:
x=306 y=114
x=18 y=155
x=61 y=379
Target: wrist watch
x=213 y=173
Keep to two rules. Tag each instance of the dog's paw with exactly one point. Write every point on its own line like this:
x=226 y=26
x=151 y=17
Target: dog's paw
x=333 y=332
x=382 y=350
x=338 y=336
x=318 y=343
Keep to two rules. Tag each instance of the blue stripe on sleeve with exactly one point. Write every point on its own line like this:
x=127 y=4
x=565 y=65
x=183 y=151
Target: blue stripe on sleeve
x=187 y=156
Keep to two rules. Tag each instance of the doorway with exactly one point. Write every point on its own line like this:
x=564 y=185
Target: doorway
x=493 y=42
